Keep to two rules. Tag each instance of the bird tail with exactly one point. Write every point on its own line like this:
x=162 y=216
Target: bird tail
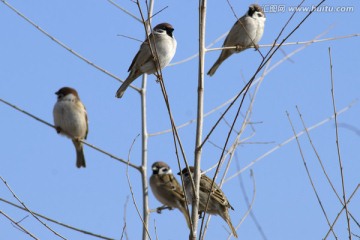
x=226 y=217
x=80 y=157
x=214 y=68
x=232 y=227
x=132 y=76
x=186 y=215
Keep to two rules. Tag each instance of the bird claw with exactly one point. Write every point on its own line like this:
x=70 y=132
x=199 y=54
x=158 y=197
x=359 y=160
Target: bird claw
x=239 y=48
x=58 y=129
x=256 y=47
x=158 y=77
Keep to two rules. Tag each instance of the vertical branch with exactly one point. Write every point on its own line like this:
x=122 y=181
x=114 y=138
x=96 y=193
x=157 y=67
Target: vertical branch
x=338 y=146
x=144 y=143
x=200 y=112
x=144 y=157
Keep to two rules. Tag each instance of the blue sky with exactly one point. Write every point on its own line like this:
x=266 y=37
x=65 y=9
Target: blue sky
x=39 y=165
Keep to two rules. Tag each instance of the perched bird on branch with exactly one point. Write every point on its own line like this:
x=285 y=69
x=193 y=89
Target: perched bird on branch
x=167 y=190
x=246 y=33
x=163 y=44
x=70 y=119
x=218 y=203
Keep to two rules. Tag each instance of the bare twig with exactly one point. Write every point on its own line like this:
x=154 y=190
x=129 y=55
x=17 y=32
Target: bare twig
x=343 y=208
x=132 y=38
x=309 y=175
x=57 y=222
x=125 y=11
x=317 y=155
x=132 y=192
x=338 y=147
x=18 y=225
x=124 y=230
x=29 y=211
x=250 y=206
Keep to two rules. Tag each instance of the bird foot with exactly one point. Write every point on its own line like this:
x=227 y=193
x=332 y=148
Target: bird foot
x=158 y=210
x=58 y=129
x=77 y=139
x=158 y=77
x=239 y=48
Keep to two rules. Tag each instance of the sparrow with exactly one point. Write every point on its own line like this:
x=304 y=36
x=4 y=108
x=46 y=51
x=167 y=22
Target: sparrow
x=167 y=190
x=218 y=203
x=246 y=33
x=70 y=119
x=143 y=62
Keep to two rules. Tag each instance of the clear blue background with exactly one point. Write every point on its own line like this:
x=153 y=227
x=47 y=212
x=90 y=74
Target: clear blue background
x=40 y=167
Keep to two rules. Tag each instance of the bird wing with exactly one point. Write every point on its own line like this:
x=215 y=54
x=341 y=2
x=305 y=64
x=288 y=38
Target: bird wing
x=142 y=56
x=87 y=123
x=240 y=28
x=169 y=183
x=216 y=193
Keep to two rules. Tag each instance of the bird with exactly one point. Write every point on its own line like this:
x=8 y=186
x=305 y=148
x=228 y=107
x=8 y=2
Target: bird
x=245 y=33
x=164 y=48
x=167 y=190
x=218 y=203
x=70 y=120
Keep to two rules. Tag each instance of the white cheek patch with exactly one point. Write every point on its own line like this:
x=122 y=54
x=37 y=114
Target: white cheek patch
x=163 y=171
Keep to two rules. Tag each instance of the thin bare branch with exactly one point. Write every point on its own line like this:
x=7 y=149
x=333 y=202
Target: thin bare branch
x=135 y=39
x=124 y=232
x=343 y=208
x=317 y=155
x=57 y=222
x=125 y=11
x=309 y=175
x=29 y=211
x=338 y=146
x=250 y=206
x=132 y=192
x=18 y=225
